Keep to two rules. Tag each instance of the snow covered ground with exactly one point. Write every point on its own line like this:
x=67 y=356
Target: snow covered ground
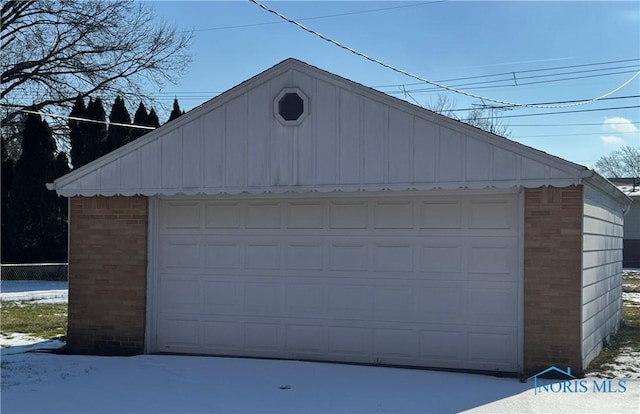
x=37 y=382
x=48 y=383
x=34 y=291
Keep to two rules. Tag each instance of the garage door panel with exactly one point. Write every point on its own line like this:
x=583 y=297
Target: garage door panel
x=492 y=258
x=347 y=301
x=306 y=299
x=351 y=256
x=181 y=215
x=222 y=254
x=305 y=256
x=393 y=301
x=392 y=346
x=349 y=341
x=440 y=348
x=263 y=298
x=222 y=297
x=440 y=214
x=492 y=304
x=438 y=304
x=262 y=255
x=491 y=214
x=307 y=339
x=223 y=215
x=491 y=348
x=426 y=281
x=180 y=295
x=439 y=258
x=224 y=335
x=348 y=215
x=305 y=215
x=263 y=215
x=179 y=335
x=180 y=253
x=393 y=257
x=393 y=215
x=263 y=337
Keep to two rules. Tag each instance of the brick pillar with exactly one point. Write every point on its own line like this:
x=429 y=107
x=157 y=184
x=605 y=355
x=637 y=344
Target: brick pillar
x=552 y=278
x=107 y=275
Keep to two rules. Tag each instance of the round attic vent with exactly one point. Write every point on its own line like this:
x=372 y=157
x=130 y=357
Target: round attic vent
x=291 y=106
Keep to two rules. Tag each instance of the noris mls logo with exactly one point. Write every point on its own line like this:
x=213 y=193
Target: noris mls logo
x=571 y=384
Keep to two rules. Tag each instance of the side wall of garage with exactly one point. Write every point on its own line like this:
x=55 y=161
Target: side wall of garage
x=602 y=266
x=552 y=278
x=107 y=275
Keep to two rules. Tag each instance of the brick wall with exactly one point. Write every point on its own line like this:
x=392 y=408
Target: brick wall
x=107 y=275
x=552 y=278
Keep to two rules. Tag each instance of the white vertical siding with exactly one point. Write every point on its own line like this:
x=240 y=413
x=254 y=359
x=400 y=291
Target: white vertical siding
x=352 y=139
x=602 y=271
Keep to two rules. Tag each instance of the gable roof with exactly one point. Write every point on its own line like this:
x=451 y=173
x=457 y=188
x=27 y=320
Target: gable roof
x=354 y=139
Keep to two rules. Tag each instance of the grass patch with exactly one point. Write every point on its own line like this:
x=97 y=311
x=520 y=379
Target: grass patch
x=628 y=336
x=631 y=285
x=47 y=321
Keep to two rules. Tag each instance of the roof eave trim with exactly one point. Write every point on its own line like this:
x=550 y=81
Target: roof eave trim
x=606 y=186
x=407 y=186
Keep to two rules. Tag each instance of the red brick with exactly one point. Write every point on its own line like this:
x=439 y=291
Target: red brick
x=107 y=273
x=552 y=278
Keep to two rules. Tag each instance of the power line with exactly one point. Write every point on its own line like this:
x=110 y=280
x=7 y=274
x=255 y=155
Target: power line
x=95 y=121
x=543 y=103
x=564 y=112
x=439 y=85
x=570 y=135
x=240 y=26
x=574 y=124
x=522 y=71
x=512 y=85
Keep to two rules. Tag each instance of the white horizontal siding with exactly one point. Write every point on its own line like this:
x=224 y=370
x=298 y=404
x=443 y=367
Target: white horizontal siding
x=352 y=139
x=602 y=271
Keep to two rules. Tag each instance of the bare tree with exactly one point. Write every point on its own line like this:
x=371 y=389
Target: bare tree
x=54 y=50
x=484 y=118
x=622 y=163
x=487 y=119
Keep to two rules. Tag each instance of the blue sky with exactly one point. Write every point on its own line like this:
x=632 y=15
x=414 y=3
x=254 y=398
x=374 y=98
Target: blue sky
x=540 y=44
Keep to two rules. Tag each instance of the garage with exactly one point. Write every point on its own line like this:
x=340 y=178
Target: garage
x=300 y=215
x=342 y=279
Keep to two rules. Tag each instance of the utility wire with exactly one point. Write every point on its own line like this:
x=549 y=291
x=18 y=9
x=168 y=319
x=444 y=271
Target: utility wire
x=568 y=135
x=541 y=103
x=521 y=71
x=563 y=112
x=511 y=85
x=240 y=26
x=439 y=85
x=95 y=121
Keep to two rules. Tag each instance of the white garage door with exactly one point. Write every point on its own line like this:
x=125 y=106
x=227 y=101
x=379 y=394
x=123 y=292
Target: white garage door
x=416 y=281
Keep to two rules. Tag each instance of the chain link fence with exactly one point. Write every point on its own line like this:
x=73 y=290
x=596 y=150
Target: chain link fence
x=35 y=271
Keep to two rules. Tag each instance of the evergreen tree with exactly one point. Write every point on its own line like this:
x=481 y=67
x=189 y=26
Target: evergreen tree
x=28 y=194
x=7 y=179
x=54 y=211
x=117 y=136
x=94 y=133
x=176 y=111
x=140 y=118
x=152 y=120
x=76 y=137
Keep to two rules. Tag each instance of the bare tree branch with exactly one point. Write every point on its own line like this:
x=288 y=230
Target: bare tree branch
x=53 y=50
x=477 y=117
x=622 y=163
